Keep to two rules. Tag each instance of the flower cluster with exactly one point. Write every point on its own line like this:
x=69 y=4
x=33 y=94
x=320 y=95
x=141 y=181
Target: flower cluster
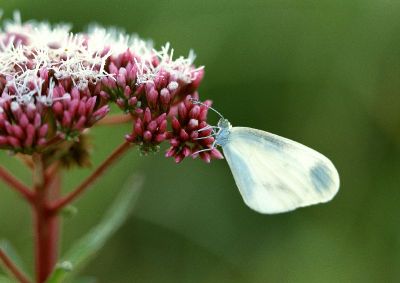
x=54 y=85
x=191 y=134
x=50 y=84
x=154 y=79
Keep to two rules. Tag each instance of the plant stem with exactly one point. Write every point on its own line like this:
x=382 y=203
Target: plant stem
x=61 y=203
x=46 y=224
x=46 y=233
x=15 y=184
x=47 y=186
x=115 y=119
x=19 y=275
x=53 y=187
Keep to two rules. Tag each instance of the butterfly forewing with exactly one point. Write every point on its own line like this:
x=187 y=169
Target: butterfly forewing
x=275 y=174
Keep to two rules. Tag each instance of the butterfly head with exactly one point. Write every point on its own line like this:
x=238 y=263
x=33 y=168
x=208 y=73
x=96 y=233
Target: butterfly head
x=219 y=132
x=222 y=136
x=224 y=124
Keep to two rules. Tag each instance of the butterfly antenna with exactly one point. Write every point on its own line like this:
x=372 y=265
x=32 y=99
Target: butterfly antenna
x=196 y=101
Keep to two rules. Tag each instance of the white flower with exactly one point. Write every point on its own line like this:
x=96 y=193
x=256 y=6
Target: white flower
x=27 y=48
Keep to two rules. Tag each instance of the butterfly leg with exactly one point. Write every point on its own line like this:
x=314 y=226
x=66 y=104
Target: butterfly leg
x=203 y=138
x=213 y=128
x=202 y=150
x=206 y=149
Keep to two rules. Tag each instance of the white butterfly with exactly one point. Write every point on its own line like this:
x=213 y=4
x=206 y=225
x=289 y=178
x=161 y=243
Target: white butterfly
x=275 y=174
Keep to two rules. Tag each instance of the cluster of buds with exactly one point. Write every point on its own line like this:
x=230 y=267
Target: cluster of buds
x=22 y=127
x=191 y=135
x=54 y=85
x=148 y=85
x=149 y=131
x=150 y=79
x=77 y=111
x=50 y=84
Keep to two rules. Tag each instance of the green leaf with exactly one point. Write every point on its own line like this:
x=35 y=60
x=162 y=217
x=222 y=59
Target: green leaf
x=85 y=248
x=10 y=251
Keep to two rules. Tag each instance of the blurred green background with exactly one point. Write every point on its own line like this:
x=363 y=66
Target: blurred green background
x=324 y=73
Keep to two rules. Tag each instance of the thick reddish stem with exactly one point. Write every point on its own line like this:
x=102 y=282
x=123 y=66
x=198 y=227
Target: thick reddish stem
x=53 y=184
x=15 y=184
x=46 y=224
x=22 y=278
x=58 y=205
x=46 y=232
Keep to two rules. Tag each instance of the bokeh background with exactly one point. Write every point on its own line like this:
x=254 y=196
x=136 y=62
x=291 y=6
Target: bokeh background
x=324 y=73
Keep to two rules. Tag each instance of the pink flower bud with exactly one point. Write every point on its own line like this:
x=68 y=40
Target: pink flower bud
x=13 y=141
x=170 y=152
x=24 y=121
x=186 y=151
x=67 y=119
x=205 y=156
x=127 y=92
x=182 y=111
x=152 y=126
x=147 y=136
x=175 y=124
x=216 y=154
x=100 y=113
x=152 y=97
x=18 y=132
x=75 y=93
x=43 y=130
x=165 y=97
x=163 y=126
x=138 y=129
x=193 y=123
x=147 y=115
x=194 y=112
x=183 y=135
x=160 y=138
x=58 y=108
x=73 y=107
x=132 y=101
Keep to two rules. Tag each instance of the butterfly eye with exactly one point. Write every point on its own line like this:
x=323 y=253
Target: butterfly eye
x=224 y=123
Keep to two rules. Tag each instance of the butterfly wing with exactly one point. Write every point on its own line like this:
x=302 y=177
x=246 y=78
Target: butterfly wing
x=275 y=174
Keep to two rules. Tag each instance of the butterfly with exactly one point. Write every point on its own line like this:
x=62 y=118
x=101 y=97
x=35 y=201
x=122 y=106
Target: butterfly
x=274 y=174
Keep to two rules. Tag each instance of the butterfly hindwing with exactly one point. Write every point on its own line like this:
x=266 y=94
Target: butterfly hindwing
x=275 y=174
